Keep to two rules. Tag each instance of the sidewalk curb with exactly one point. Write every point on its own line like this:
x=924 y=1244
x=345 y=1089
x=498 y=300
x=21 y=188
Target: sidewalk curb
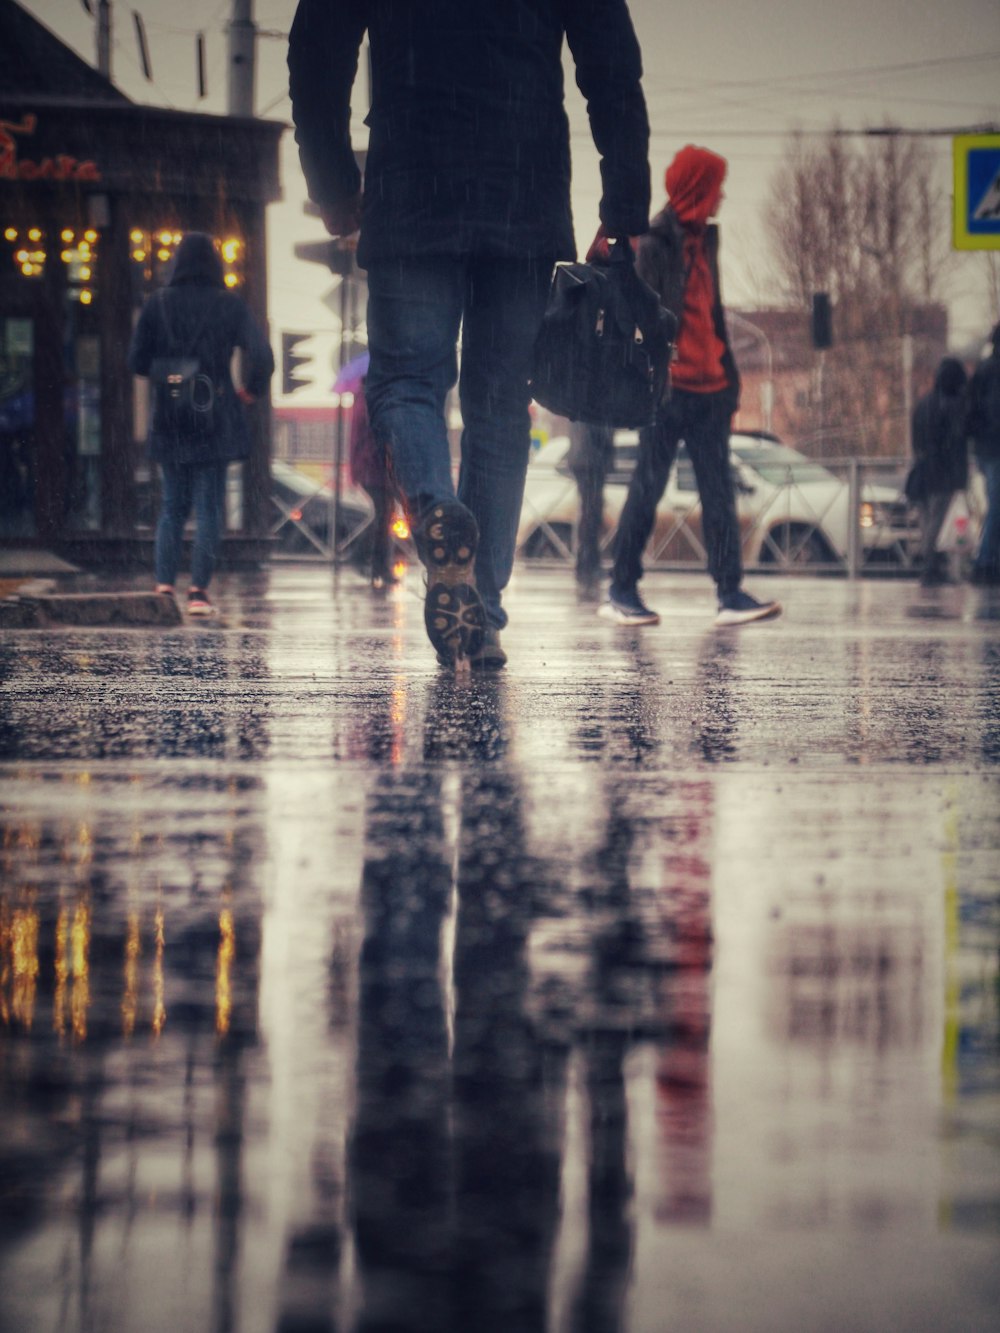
x=40 y=610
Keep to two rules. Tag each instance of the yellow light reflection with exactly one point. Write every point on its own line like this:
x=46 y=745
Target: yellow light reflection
x=163 y=255
x=401 y=528
x=34 y=234
x=80 y=952
x=10 y=234
x=223 y=972
x=139 y=256
x=166 y=237
x=24 y=942
x=159 y=1008
x=90 y=236
x=231 y=280
x=230 y=251
x=61 y=971
x=5 y=963
x=86 y=297
x=136 y=236
x=130 y=1000
x=66 y=234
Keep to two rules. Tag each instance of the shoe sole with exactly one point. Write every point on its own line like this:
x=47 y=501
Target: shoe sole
x=725 y=618
x=454 y=616
x=608 y=612
x=202 y=611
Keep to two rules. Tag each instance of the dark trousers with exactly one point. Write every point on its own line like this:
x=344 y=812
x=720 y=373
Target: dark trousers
x=702 y=421
x=590 y=484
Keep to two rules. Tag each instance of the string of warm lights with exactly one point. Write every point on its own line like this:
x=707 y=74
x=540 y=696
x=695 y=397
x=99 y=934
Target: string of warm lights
x=151 y=252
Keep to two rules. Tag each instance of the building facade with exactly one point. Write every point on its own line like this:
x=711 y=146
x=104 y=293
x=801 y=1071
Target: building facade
x=95 y=194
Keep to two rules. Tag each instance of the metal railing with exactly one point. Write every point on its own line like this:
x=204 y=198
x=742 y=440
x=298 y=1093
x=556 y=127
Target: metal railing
x=861 y=526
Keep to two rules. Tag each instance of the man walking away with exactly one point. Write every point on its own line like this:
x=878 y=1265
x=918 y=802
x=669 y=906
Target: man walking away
x=984 y=427
x=464 y=211
x=937 y=434
x=679 y=258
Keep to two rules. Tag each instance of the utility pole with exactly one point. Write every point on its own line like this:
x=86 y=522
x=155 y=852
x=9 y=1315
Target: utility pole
x=104 y=37
x=242 y=58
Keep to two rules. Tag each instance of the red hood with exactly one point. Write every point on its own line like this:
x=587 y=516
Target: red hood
x=693 y=181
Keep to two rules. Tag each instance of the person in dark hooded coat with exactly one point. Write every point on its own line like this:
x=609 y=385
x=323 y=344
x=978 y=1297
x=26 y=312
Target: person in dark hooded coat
x=940 y=452
x=196 y=316
x=465 y=208
x=679 y=258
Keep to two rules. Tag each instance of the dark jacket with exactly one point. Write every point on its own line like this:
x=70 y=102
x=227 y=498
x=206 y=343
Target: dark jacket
x=195 y=315
x=469 y=141
x=660 y=261
x=937 y=432
x=983 y=422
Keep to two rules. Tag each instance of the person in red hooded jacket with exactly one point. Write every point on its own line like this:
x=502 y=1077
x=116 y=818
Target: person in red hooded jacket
x=679 y=258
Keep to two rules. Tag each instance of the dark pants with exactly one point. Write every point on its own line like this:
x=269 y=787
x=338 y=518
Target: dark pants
x=202 y=487
x=590 y=484
x=702 y=421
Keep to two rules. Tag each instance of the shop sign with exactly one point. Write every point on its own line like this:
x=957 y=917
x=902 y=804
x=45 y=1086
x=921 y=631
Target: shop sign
x=59 y=167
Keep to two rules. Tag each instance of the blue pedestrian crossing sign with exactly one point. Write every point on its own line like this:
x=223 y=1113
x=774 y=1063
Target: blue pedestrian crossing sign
x=977 y=191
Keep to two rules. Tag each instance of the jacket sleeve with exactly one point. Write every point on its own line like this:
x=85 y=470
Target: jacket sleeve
x=323 y=50
x=258 y=359
x=608 y=74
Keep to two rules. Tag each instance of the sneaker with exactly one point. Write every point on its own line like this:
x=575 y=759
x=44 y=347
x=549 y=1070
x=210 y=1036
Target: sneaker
x=739 y=608
x=625 y=607
x=199 y=603
x=165 y=590
x=454 y=616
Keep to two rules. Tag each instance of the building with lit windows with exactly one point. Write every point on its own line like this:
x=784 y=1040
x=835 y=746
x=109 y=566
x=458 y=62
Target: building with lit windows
x=95 y=193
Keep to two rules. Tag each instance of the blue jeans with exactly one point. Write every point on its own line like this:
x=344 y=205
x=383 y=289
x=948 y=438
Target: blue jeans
x=702 y=421
x=416 y=307
x=203 y=487
x=988 y=556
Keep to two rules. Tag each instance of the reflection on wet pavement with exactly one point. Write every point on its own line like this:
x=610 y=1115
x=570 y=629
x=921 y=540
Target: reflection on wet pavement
x=652 y=985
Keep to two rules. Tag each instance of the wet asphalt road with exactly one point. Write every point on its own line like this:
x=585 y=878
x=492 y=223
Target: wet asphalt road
x=651 y=985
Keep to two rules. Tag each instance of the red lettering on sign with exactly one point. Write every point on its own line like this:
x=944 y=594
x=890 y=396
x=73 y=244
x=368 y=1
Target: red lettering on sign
x=61 y=168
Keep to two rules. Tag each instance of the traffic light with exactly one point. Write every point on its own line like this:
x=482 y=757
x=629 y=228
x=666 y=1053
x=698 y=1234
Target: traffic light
x=822 y=320
x=290 y=362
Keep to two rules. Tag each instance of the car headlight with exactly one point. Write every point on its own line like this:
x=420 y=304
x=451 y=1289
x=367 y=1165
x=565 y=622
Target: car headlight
x=881 y=514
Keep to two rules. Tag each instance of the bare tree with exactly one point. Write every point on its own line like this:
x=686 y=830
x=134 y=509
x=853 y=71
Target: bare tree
x=866 y=223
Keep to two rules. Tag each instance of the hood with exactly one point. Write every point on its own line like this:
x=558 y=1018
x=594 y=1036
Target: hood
x=197 y=260
x=951 y=377
x=693 y=181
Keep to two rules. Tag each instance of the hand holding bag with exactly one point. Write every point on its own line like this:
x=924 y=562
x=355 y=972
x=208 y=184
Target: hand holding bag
x=603 y=351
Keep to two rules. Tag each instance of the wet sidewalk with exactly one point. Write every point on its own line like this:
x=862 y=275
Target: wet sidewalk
x=651 y=985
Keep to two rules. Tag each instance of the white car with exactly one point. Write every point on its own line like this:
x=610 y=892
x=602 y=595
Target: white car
x=792 y=510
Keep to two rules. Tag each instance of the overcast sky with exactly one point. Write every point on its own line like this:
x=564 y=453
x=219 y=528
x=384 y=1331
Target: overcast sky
x=735 y=76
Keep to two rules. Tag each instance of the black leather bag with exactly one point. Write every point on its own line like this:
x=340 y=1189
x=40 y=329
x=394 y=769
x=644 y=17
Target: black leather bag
x=603 y=352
